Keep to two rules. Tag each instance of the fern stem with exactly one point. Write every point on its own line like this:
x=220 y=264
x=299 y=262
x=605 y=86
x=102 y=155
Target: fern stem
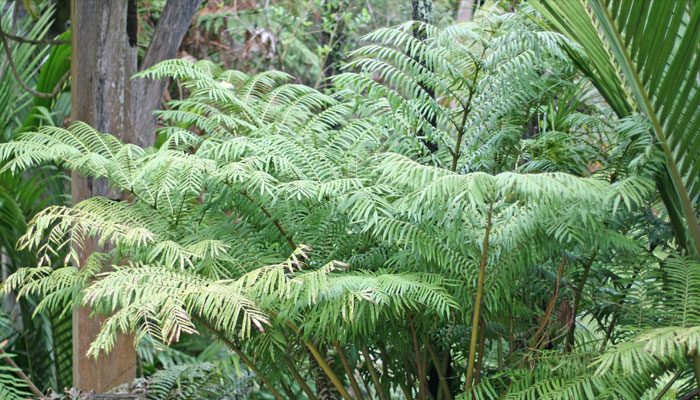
x=241 y=355
x=465 y=113
x=668 y=385
x=275 y=221
x=419 y=364
x=407 y=367
x=348 y=371
x=477 y=303
x=328 y=371
x=440 y=371
x=535 y=343
x=577 y=300
x=20 y=374
x=696 y=367
x=611 y=327
x=298 y=378
x=406 y=391
x=373 y=373
x=480 y=361
x=287 y=390
x=319 y=359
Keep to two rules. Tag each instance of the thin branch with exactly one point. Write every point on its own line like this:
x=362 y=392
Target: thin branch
x=548 y=311
x=577 y=300
x=19 y=373
x=456 y=153
x=8 y=54
x=348 y=371
x=287 y=390
x=241 y=355
x=480 y=361
x=373 y=373
x=298 y=378
x=327 y=369
x=668 y=385
x=319 y=359
x=535 y=343
x=439 y=368
x=611 y=327
x=419 y=364
x=34 y=41
x=275 y=221
x=477 y=303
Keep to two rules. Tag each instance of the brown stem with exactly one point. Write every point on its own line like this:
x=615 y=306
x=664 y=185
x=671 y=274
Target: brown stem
x=407 y=370
x=287 y=390
x=480 y=361
x=424 y=359
x=34 y=41
x=367 y=389
x=668 y=385
x=327 y=369
x=477 y=303
x=419 y=364
x=535 y=343
x=18 y=372
x=543 y=323
x=445 y=389
x=511 y=328
x=298 y=378
x=577 y=300
x=24 y=86
x=241 y=355
x=445 y=367
x=385 y=359
x=319 y=359
x=609 y=331
x=275 y=221
x=406 y=391
x=467 y=109
x=696 y=367
x=348 y=371
x=690 y=395
x=373 y=373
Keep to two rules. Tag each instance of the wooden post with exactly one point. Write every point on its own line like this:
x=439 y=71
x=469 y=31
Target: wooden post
x=101 y=66
x=104 y=58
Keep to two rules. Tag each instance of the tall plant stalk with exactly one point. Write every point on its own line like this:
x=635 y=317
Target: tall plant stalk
x=477 y=302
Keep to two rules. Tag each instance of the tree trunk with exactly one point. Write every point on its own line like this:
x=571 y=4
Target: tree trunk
x=102 y=63
x=104 y=58
x=465 y=12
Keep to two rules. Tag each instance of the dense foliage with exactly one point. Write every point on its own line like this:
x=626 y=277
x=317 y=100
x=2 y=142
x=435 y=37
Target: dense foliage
x=488 y=209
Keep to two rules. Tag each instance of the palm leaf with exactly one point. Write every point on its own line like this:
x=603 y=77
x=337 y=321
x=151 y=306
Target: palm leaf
x=654 y=44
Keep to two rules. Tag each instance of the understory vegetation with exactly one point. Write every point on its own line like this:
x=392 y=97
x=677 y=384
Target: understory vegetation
x=501 y=208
